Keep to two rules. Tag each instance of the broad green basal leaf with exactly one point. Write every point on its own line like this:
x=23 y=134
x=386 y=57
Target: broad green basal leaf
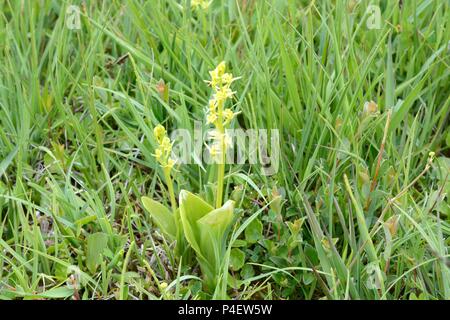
x=213 y=227
x=192 y=208
x=162 y=216
x=205 y=228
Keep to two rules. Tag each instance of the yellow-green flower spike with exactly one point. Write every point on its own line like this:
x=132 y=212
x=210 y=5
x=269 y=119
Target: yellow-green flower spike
x=219 y=117
x=204 y=4
x=162 y=152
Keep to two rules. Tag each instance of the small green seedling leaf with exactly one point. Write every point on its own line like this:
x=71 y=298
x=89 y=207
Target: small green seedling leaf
x=253 y=232
x=247 y=271
x=237 y=259
x=239 y=243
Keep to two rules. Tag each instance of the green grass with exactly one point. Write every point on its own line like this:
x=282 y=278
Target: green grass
x=364 y=215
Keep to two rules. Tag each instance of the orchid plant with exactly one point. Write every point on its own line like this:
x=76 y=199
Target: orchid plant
x=196 y=224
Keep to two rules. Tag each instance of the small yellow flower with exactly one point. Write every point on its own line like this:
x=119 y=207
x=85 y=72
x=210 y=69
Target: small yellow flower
x=158 y=154
x=227 y=79
x=166 y=145
x=221 y=68
x=223 y=94
x=159 y=131
x=215 y=79
x=170 y=163
x=219 y=77
x=212 y=105
x=211 y=118
x=228 y=115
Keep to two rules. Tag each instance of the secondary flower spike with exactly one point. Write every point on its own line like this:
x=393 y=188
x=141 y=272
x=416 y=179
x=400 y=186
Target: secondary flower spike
x=162 y=152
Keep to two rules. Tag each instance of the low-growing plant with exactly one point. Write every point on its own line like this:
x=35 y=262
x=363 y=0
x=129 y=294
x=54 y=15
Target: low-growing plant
x=205 y=228
x=196 y=223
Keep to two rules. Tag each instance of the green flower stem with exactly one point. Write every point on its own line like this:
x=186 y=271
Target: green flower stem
x=170 y=187
x=220 y=178
x=221 y=164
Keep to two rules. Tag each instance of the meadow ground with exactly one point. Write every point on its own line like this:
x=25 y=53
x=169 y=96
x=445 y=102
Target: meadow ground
x=358 y=207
